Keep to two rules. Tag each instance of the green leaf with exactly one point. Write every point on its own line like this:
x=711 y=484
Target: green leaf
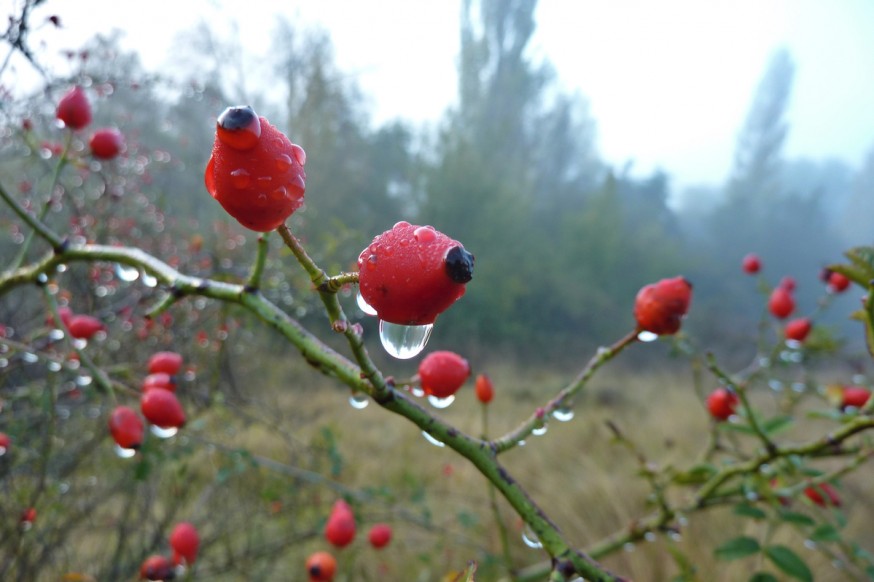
x=789 y=562
x=861 y=267
x=747 y=510
x=763 y=577
x=796 y=517
x=777 y=424
x=739 y=547
x=825 y=533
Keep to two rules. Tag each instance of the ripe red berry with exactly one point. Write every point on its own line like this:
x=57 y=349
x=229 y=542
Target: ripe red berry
x=442 y=373
x=166 y=362
x=126 y=427
x=159 y=380
x=722 y=403
x=411 y=274
x=74 y=109
x=823 y=495
x=65 y=313
x=255 y=172
x=751 y=264
x=855 y=396
x=787 y=283
x=781 y=304
x=84 y=326
x=798 y=329
x=157 y=568
x=28 y=516
x=321 y=567
x=185 y=542
x=106 y=143
x=340 y=527
x=162 y=408
x=659 y=307
x=5 y=441
x=379 y=535
x=838 y=283
x=485 y=391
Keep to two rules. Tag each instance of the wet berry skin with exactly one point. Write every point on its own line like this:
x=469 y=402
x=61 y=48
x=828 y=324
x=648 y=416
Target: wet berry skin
x=185 y=542
x=411 y=274
x=74 y=109
x=106 y=143
x=659 y=307
x=84 y=326
x=442 y=373
x=340 y=528
x=255 y=172
x=379 y=535
x=721 y=403
x=166 y=362
x=781 y=304
x=162 y=408
x=321 y=567
x=798 y=329
x=126 y=427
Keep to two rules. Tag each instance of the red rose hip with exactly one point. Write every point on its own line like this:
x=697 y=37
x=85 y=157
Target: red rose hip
x=781 y=304
x=442 y=373
x=166 y=362
x=185 y=542
x=162 y=408
x=798 y=329
x=126 y=427
x=379 y=535
x=321 y=567
x=751 y=264
x=106 y=143
x=484 y=388
x=340 y=528
x=722 y=403
x=659 y=307
x=74 y=109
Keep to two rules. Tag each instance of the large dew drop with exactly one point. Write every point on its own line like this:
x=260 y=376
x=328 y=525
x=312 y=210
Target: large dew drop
x=404 y=341
x=124 y=453
x=432 y=440
x=126 y=273
x=441 y=402
x=359 y=401
x=563 y=414
x=529 y=538
x=163 y=433
x=647 y=336
x=365 y=306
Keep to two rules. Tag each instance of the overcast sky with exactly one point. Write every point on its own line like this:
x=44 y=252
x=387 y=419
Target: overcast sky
x=669 y=82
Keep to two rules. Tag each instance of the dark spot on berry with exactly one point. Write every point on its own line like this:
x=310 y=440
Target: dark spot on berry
x=315 y=570
x=459 y=264
x=236 y=118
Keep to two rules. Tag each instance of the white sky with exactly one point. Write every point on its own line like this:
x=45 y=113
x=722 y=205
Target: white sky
x=669 y=82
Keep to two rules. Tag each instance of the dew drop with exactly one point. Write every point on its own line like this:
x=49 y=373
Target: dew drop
x=3 y=362
x=775 y=385
x=647 y=336
x=675 y=536
x=649 y=536
x=149 y=281
x=404 y=341
x=2 y=451
x=417 y=391
x=299 y=154
x=432 y=440
x=371 y=262
x=441 y=402
x=163 y=433
x=425 y=235
x=126 y=273
x=628 y=547
x=54 y=366
x=539 y=431
x=240 y=178
x=83 y=380
x=810 y=544
x=563 y=414
x=529 y=538
x=61 y=268
x=124 y=453
x=283 y=162
x=359 y=401
x=29 y=357
x=364 y=305
x=56 y=335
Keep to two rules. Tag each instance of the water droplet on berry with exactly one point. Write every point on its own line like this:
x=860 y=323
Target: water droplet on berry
x=163 y=433
x=647 y=336
x=400 y=224
x=299 y=154
x=441 y=402
x=2 y=451
x=539 y=431
x=529 y=538
x=240 y=178
x=563 y=414
x=404 y=341
x=126 y=273
x=364 y=306
x=124 y=453
x=425 y=235
x=432 y=440
x=283 y=162
x=359 y=401
x=371 y=262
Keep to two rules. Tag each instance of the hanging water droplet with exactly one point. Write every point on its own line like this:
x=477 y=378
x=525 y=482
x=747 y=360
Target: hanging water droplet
x=29 y=357
x=3 y=362
x=2 y=450
x=80 y=344
x=404 y=341
x=84 y=380
x=775 y=385
x=628 y=547
x=163 y=433
x=649 y=536
x=54 y=366
x=675 y=536
x=61 y=268
x=417 y=391
x=364 y=305
x=563 y=414
x=529 y=538
x=42 y=278
x=647 y=336
x=359 y=401
x=126 y=273
x=124 y=453
x=149 y=281
x=441 y=402
x=56 y=335
x=283 y=162
x=432 y=440
x=539 y=431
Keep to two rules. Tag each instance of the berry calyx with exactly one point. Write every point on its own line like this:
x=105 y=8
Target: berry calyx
x=823 y=495
x=855 y=396
x=659 y=307
x=798 y=329
x=751 y=264
x=84 y=326
x=411 y=274
x=442 y=373
x=722 y=403
x=321 y=567
x=185 y=542
x=106 y=143
x=126 y=427
x=162 y=408
x=781 y=304
x=485 y=391
x=379 y=535
x=838 y=283
x=254 y=171
x=157 y=568
x=74 y=109
x=340 y=527
x=166 y=362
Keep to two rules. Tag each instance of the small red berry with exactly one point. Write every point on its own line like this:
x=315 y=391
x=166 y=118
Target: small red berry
x=781 y=304
x=442 y=373
x=838 y=283
x=185 y=542
x=659 y=307
x=815 y=494
x=379 y=535
x=855 y=396
x=255 y=172
x=106 y=143
x=74 y=109
x=162 y=408
x=84 y=326
x=787 y=283
x=5 y=441
x=167 y=362
x=159 y=380
x=340 y=527
x=798 y=329
x=157 y=568
x=411 y=274
x=28 y=516
x=485 y=391
x=126 y=427
x=751 y=264
x=66 y=314
x=722 y=403
x=321 y=567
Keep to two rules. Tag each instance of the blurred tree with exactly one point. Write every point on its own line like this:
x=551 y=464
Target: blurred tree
x=858 y=221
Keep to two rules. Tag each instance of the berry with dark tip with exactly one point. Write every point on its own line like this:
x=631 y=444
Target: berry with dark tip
x=660 y=307
x=126 y=427
x=321 y=567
